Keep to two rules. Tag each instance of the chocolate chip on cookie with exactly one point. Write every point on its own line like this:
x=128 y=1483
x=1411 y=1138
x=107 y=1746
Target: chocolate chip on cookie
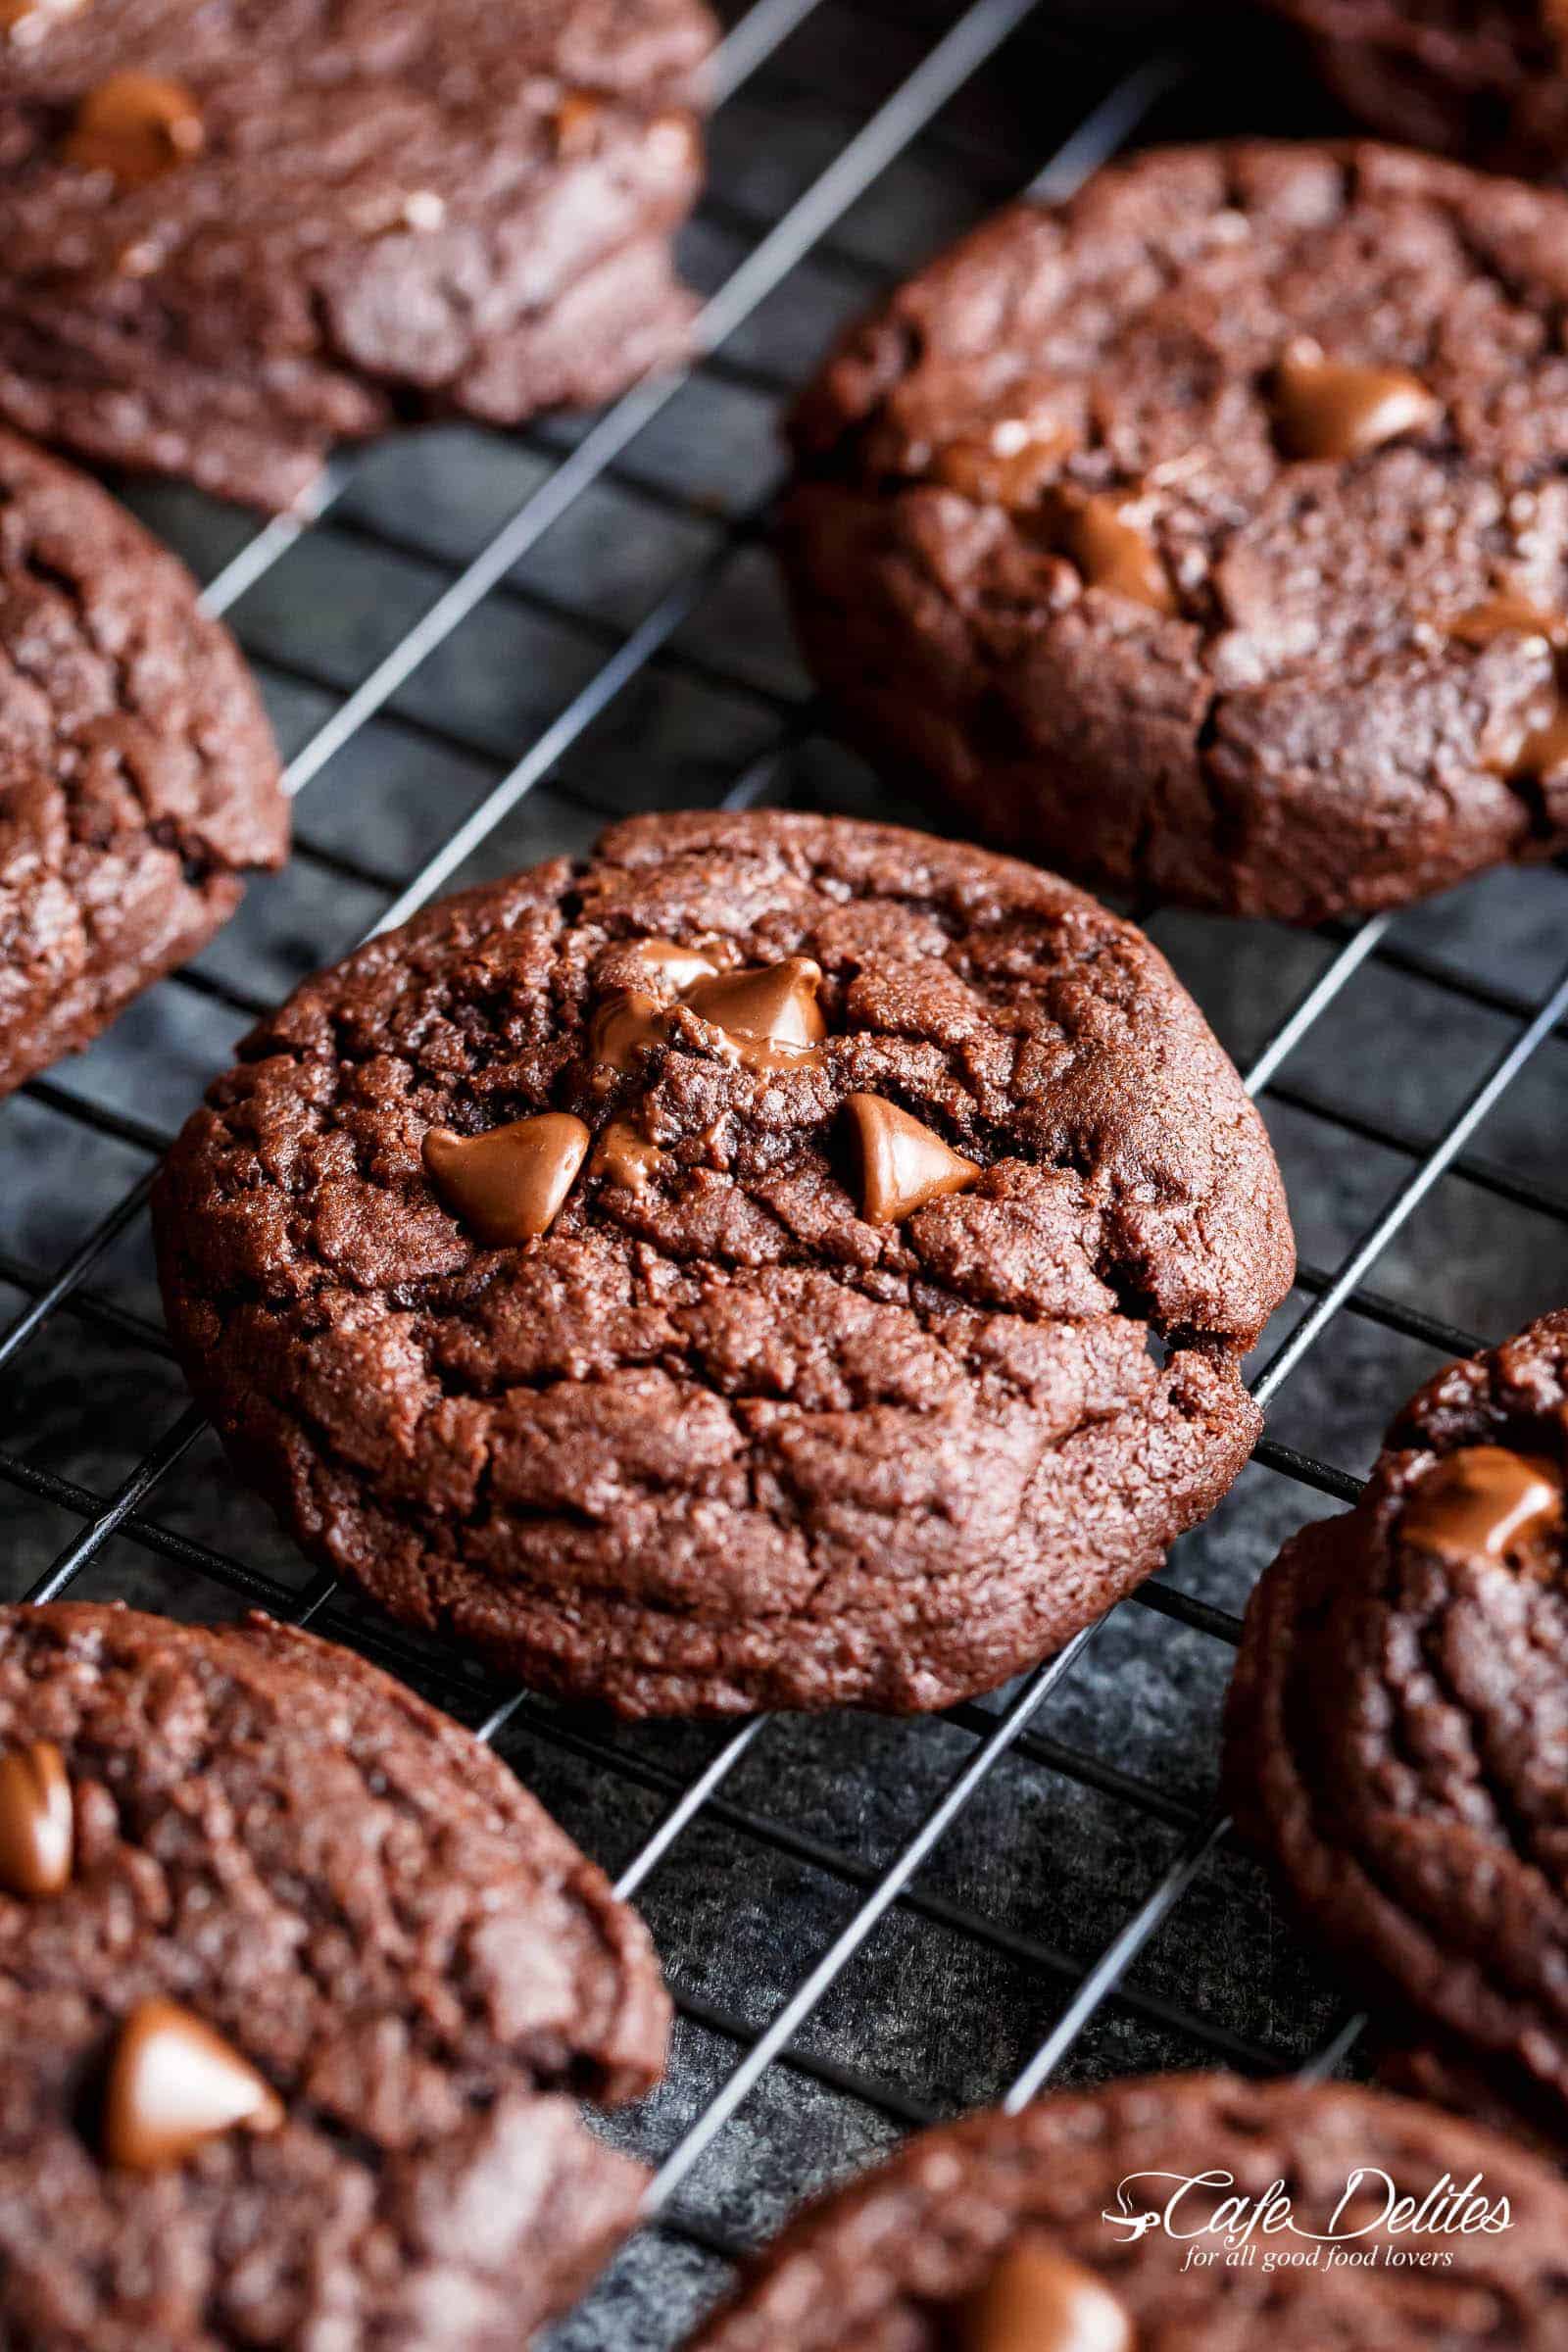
x=140 y=781
x=1396 y=1735
x=886 y=1332
x=229 y=238
x=1101 y=2221
x=1487 y=81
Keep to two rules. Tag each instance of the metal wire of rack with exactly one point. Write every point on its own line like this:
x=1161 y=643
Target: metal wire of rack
x=650 y=1800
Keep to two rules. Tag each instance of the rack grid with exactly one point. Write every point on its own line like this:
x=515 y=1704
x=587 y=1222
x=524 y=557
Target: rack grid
x=481 y=646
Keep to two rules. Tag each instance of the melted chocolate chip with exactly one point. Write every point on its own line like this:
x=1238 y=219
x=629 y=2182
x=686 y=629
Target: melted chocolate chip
x=174 y=2083
x=679 y=966
x=1008 y=467
x=625 y=1155
x=1484 y=1499
x=768 y=1011
x=1500 y=615
x=37 y=1821
x=1326 y=409
x=1113 y=554
x=1036 y=2300
x=575 y=121
x=901 y=1164
x=510 y=1184
x=136 y=128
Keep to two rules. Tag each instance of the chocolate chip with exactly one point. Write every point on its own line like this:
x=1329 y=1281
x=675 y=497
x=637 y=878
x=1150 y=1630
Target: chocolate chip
x=37 y=1821
x=1499 y=615
x=508 y=1185
x=766 y=1010
x=1113 y=554
x=679 y=966
x=903 y=1165
x=1036 y=2300
x=625 y=1155
x=1482 y=1499
x=136 y=128
x=174 y=2083
x=1326 y=408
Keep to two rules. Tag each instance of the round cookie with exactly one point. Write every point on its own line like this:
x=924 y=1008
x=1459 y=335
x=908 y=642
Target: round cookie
x=1209 y=535
x=140 y=780
x=781 y=1262
x=298 y=1990
x=1486 y=80
x=1397 y=1734
x=232 y=235
x=1048 y=2232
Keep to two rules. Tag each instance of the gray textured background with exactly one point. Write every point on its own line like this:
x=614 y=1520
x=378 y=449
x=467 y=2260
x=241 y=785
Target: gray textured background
x=955 y=1987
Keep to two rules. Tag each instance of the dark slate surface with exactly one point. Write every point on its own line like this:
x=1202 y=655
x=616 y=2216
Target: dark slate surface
x=955 y=1986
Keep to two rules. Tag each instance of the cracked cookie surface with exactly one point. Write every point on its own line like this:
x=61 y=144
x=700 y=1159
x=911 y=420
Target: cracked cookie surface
x=1021 y=2215
x=139 y=778
x=372 y=1913
x=358 y=211
x=716 y=1438
x=1397 y=1733
x=1070 y=540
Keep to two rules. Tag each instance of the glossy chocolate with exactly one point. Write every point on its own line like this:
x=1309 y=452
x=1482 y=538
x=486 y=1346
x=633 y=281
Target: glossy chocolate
x=1036 y=2300
x=769 y=1011
x=509 y=1185
x=625 y=1155
x=624 y=1025
x=901 y=1164
x=173 y=2082
x=37 y=1821
x=1326 y=409
x=672 y=962
x=1114 y=554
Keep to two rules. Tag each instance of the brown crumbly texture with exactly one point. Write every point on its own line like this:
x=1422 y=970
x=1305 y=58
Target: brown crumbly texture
x=137 y=774
x=1395 y=1744
x=1302 y=732
x=1482 y=78
x=398 y=207
x=721 y=1443
x=364 y=1903
x=881 y=2267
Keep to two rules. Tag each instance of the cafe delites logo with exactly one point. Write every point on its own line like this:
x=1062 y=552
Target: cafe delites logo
x=1374 y=2224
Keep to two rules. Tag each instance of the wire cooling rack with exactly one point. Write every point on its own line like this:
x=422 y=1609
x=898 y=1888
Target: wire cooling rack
x=477 y=647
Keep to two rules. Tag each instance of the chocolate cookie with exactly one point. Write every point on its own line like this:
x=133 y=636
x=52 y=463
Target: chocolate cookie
x=1482 y=78
x=231 y=235
x=1397 y=1729
x=1069 y=2228
x=139 y=778
x=782 y=1262
x=1210 y=533
x=298 y=1989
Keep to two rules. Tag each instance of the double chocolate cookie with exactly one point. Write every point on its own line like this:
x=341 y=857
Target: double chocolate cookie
x=139 y=779
x=1398 y=1728
x=1482 y=78
x=298 y=1990
x=1209 y=535
x=230 y=236
x=1169 y=2213
x=780 y=1261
